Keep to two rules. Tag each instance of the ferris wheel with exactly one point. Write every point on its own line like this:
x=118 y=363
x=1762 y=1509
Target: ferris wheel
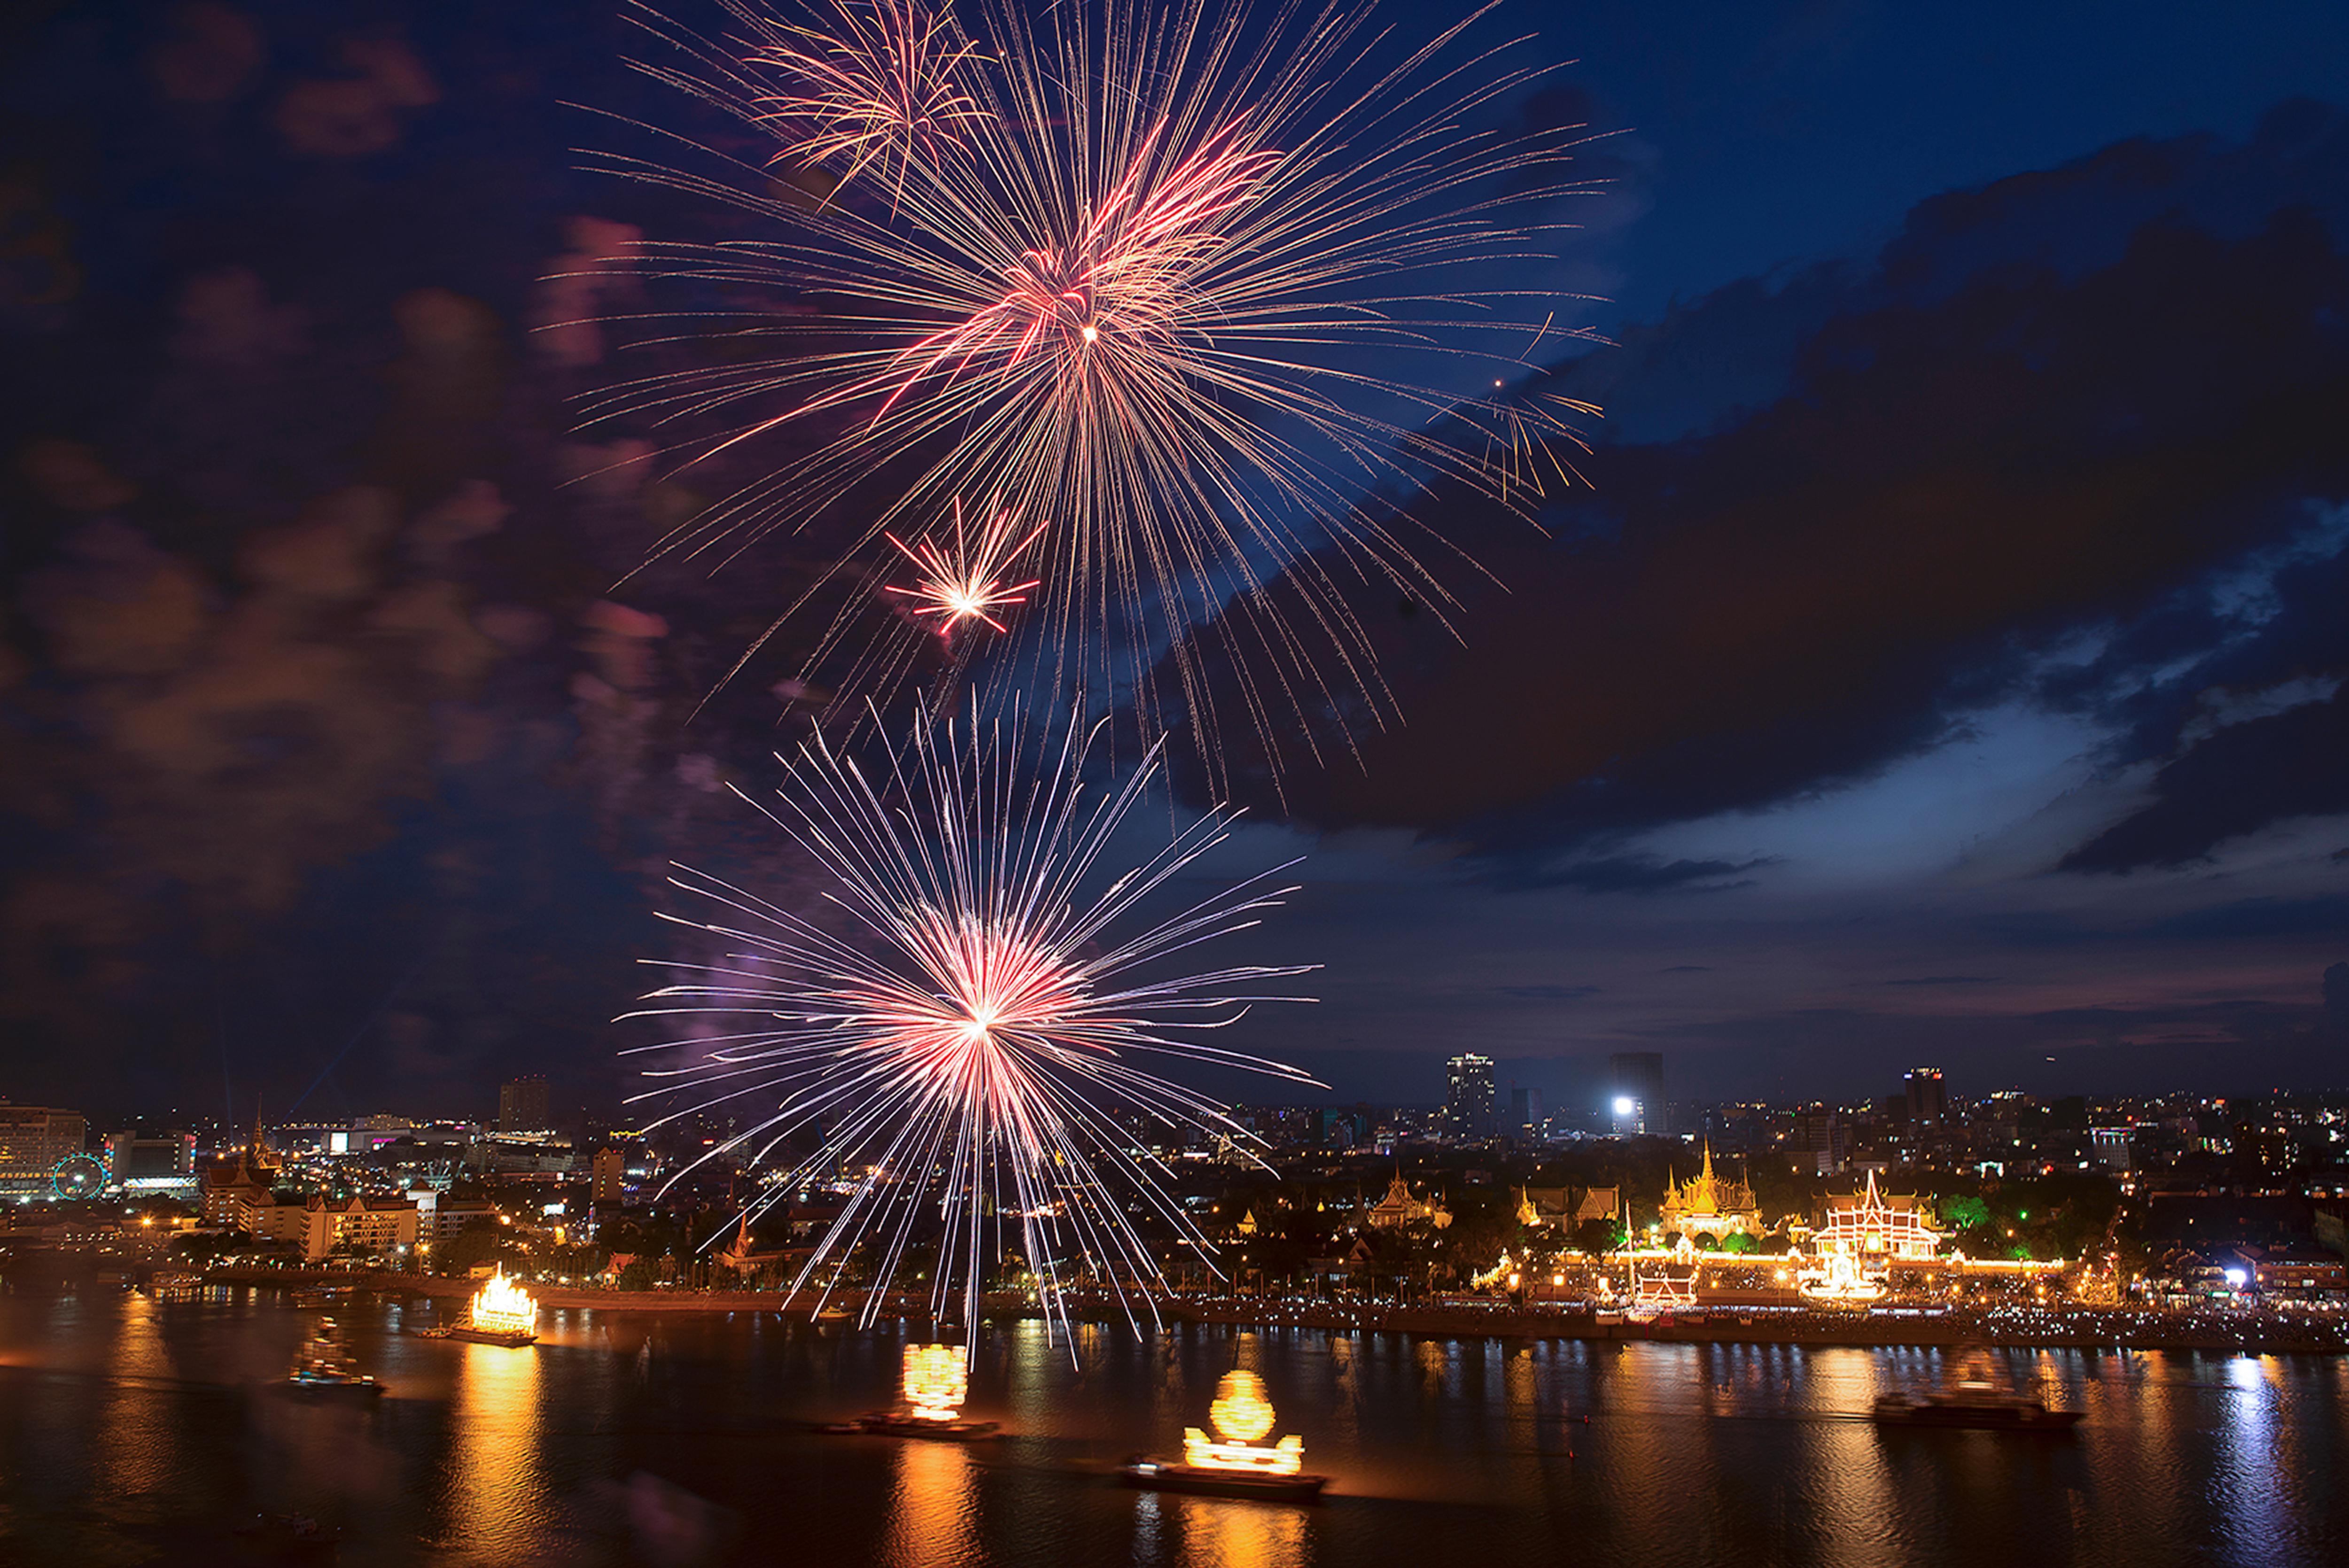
x=78 y=1176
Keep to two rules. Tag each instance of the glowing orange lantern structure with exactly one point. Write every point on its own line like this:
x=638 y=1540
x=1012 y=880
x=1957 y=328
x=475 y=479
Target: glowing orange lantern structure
x=1242 y=1418
x=936 y=1382
x=504 y=1307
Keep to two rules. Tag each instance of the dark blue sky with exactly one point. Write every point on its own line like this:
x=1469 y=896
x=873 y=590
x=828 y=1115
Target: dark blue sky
x=1946 y=664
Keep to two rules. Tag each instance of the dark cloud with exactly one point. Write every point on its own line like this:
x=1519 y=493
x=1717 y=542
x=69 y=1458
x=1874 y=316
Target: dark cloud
x=1548 y=993
x=1946 y=980
x=1983 y=448
x=2257 y=917
x=1643 y=874
x=2294 y=764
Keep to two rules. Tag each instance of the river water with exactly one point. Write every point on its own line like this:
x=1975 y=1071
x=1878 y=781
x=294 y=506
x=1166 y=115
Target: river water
x=137 y=1431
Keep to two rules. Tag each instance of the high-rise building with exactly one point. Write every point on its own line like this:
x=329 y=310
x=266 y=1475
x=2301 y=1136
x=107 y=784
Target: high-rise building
x=1468 y=1099
x=34 y=1140
x=522 y=1106
x=1524 y=1111
x=1928 y=1102
x=611 y=1176
x=1635 y=1092
x=1820 y=1136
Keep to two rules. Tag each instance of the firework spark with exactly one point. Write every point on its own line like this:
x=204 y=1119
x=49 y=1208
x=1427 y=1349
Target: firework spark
x=975 y=1044
x=1197 y=288
x=964 y=580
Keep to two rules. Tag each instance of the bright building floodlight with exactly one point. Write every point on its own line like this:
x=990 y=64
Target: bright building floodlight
x=1623 y=1106
x=2237 y=1277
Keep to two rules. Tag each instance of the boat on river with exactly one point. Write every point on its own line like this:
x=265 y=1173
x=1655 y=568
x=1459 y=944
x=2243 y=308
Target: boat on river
x=1974 y=1395
x=1173 y=1475
x=323 y=1369
x=502 y=1314
x=906 y=1424
x=1237 y=1461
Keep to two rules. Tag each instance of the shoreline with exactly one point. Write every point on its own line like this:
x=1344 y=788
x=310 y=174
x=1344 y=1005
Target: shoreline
x=2077 y=1328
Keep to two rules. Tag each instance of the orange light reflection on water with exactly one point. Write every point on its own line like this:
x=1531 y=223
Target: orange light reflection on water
x=930 y=1518
x=497 y=1498
x=1221 y=1533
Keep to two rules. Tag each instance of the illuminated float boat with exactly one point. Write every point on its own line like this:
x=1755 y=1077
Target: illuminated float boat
x=936 y=1382
x=1236 y=1461
x=1974 y=1395
x=325 y=1368
x=503 y=1313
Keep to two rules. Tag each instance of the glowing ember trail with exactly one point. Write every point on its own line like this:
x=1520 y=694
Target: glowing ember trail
x=971 y=1047
x=1214 y=295
x=966 y=583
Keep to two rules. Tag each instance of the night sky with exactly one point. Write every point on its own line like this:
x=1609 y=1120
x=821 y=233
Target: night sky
x=1946 y=664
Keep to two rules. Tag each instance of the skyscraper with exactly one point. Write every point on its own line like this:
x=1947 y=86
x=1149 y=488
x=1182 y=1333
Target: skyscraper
x=522 y=1106
x=1635 y=1092
x=1928 y=1102
x=1468 y=1099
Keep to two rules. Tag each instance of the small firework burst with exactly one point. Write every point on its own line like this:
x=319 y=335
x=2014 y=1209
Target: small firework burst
x=967 y=578
x=973 y=1043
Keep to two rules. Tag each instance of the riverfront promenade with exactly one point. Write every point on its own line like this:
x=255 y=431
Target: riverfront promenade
x=2263 y=1331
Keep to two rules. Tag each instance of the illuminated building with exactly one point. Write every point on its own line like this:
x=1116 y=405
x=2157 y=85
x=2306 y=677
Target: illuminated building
x=1872 y=1228
x=1399 y=1207
x=34 y=1142
x=230 y=1194
x=363 y=1224
x=1707 y=1205
x=611 y=1177
x=1929 y=1100
x=1242 y=1417
x=522 y=1106
x=165 y=1163
x=936 y=1382
x=502 y=1306
x=1468 y=1099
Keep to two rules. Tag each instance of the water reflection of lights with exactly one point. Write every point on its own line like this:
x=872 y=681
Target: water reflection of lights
x=497 y=1495
x=930 y=1518
x=1858 y=1502
x=133 y=1448
x=1218 y=1534
x=2252 y=1477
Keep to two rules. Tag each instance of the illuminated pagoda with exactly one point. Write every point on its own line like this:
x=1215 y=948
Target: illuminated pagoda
x=1709 y=1205
x=1873 y=1228
x=1237 y=1461
x=1399 y=1207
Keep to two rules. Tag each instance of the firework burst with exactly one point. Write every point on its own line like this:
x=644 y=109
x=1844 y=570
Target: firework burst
x=1199 y=289
x=964 y=578
x=975 y=1042
x=872 y=88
